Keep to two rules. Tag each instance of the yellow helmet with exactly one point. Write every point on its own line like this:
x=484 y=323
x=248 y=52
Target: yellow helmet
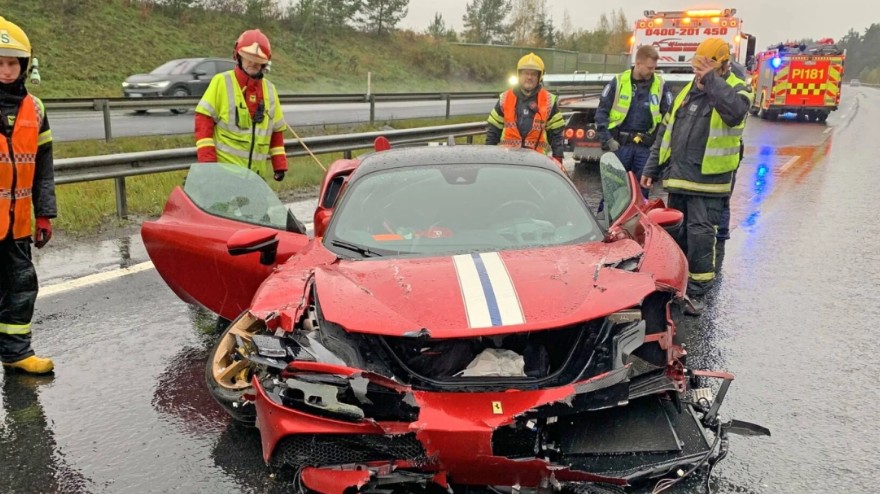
x=715 y=49
x=13 y=41
x=531 y=62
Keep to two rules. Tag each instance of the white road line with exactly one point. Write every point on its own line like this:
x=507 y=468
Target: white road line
x=790 y=163
x=829 y=129
x=93 y=279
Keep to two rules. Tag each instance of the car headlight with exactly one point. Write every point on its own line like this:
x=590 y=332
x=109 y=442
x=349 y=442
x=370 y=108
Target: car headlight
x=125 y=84
x=158 y=85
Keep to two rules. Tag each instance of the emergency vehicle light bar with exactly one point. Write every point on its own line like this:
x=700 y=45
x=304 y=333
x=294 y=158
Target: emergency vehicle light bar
x=691 y=13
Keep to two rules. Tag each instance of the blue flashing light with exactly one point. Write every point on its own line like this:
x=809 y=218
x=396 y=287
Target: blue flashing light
x=776 y=62
x=762 y=170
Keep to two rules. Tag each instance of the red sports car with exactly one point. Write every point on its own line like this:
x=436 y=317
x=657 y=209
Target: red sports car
x=460 y=320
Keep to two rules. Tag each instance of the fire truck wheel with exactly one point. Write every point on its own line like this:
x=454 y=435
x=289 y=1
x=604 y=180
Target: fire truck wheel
x=822 y=116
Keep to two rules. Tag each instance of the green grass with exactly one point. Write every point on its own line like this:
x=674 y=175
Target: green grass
x=88 y=47
x=89 y=207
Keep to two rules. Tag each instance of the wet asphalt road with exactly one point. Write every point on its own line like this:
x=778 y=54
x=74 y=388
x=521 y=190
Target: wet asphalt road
x=72 y=126
x=794 y=316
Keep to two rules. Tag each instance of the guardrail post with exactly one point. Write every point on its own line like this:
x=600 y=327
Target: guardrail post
x=121 y=203
x=470 y=139
x=347 y=154
x=372 y=109
x=105 y=108
x=448 y=104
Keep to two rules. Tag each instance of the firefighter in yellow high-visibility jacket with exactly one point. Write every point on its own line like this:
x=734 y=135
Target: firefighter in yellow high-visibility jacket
x=239 y=119
x=27 y=190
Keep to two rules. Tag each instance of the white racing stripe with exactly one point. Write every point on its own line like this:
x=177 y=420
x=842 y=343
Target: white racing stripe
x=505 y=293
x=93 y=279
x=489 y=296
x=475 y=304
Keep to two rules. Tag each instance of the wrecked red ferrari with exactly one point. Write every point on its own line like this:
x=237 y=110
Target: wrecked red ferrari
x=460 y=319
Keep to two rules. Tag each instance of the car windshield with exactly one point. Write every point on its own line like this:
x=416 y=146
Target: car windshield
x=446 y=209
x=235 y=193
x=175 y=67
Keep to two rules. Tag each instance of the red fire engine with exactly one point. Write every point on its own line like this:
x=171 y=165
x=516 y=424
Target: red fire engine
x=801 y=79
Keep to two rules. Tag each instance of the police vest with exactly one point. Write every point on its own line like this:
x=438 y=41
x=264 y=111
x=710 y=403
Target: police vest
x=17 y=168
x=224 y=102
x=537 y=137
x=624 y=96
x=722 y=148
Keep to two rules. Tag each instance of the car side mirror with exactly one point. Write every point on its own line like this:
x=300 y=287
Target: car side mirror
x=668 y=218
x=262 y=240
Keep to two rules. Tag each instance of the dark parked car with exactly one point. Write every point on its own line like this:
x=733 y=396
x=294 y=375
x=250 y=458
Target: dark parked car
x=181 y=77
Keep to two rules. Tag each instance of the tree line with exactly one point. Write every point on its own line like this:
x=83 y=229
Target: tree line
x=504 y=22
x=862 y=54
x=529 y=23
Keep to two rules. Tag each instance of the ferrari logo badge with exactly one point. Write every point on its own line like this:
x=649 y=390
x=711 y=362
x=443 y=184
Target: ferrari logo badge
x=496 y=408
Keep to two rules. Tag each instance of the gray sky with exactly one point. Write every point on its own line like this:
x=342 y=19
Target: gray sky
x=770 y=20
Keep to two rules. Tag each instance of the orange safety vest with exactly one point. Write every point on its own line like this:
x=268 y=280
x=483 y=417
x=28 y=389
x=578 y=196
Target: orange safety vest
x=17 y=170
x=537 y=137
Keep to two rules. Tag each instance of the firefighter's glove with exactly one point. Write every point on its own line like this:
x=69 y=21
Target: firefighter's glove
x=43 y=232
x=279 y=176
x=612 y=145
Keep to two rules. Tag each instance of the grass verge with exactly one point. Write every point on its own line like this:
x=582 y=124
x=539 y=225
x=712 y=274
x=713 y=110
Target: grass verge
x=87 y=208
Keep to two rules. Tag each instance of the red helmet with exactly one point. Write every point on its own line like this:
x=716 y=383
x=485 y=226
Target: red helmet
x=253 y=45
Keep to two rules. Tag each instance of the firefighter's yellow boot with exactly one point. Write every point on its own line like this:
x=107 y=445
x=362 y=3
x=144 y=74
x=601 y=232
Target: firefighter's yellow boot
x=31 y=365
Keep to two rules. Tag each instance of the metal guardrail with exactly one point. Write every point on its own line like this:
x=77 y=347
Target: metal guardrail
x=120 y=166
x=106 y=105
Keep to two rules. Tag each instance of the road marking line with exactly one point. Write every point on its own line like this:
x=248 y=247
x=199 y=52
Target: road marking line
x=829 y=129
x=790 y=163
x=93 y=279
x=104 y=276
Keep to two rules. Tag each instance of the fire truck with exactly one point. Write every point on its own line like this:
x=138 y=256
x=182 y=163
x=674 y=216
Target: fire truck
x=800 y=79
x=675 y=35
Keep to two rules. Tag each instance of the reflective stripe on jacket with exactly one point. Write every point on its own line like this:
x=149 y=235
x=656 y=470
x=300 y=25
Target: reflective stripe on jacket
x=17 y=169
x=722 y=147
x=536 y=138
x=624 y=96
x=224 y=102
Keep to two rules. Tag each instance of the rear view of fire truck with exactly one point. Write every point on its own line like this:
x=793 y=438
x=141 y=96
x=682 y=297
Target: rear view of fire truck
x=800 y=79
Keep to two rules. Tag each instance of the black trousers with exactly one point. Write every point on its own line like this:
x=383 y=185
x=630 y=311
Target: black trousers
x=18 y=292
x=697 y=237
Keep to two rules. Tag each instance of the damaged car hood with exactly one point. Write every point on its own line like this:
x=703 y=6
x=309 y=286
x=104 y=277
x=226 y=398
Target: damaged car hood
x=483 y=293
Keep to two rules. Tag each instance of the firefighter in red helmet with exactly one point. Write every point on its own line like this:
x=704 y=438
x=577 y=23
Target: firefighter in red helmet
x=239 y=119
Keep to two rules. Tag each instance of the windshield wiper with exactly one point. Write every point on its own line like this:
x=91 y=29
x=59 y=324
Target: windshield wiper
x=355 y=248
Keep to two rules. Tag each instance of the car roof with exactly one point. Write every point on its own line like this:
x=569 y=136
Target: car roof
x=406 y=157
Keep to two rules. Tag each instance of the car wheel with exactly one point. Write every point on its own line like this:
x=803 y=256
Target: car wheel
x=228 y=374
x=180 y=92
x=140 y=112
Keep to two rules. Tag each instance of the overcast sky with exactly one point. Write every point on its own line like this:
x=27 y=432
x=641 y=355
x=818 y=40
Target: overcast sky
x=771 y=21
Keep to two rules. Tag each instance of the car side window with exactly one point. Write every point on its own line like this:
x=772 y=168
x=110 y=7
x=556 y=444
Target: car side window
x=223 y=66
x=208 y=68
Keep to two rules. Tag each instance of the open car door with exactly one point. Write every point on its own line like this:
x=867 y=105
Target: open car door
x=190 y=243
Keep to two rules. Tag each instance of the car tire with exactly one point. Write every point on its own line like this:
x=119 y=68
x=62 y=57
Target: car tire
x=230 y=399
x=140 y=112
x=180 y=92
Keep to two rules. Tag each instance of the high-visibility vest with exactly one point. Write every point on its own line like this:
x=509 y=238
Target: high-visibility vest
x=17 y=168
x=537 y=137
x=722 y=148
x=233 y=125
x=623 y=100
